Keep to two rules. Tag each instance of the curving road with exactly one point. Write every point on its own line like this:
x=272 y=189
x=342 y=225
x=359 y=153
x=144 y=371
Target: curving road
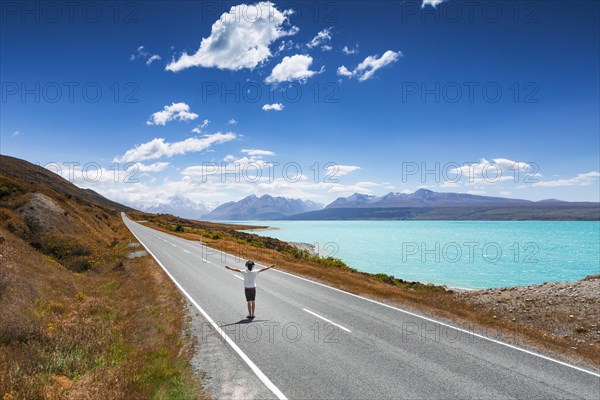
x=311 y=341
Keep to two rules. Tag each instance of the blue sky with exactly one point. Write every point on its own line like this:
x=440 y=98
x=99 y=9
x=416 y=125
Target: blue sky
x=369 y=94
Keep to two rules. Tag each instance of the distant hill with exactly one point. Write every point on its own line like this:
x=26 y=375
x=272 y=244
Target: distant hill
x=181 y=207
x=261 y=208
x=429 y=205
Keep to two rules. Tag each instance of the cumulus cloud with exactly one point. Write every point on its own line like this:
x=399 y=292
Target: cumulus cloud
x=580 y=180
x=176 y=111
x=257 y=152
x=232 y=121
x=157 y=148
x=366 y=69
x=348 y=51
x=294 y=68
x=199 y=128
x=239 y=39
x=432 y=3
x=320 y=40
x=273 y=107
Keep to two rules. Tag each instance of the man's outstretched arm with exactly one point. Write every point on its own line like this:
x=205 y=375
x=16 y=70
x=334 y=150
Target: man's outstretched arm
x=232 y=269
x=264 y=269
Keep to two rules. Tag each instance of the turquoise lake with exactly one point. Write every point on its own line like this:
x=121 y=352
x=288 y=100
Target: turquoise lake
x=464 y=254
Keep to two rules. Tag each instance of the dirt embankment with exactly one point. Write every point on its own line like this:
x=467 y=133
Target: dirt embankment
x=78 y=318
x=567 y=311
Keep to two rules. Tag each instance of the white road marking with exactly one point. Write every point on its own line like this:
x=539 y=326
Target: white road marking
x=172 y=244
x=429 y=319
x=267 y=382
x=326 y=320
x=434 y=321
x=239 y=277
x=185 y=251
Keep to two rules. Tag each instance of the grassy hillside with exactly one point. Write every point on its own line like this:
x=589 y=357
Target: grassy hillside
x=78 y=318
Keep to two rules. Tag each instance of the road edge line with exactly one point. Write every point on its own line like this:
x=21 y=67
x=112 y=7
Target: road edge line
x=263 y=378
x=429 y=319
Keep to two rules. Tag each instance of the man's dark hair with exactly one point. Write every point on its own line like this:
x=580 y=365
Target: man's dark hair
x=249 y=265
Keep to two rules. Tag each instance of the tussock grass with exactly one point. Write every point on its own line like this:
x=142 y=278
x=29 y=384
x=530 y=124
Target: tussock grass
x=74 y=320
x=591 y=277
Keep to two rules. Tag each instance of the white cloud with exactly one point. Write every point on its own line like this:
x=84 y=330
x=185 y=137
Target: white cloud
x=232 y=121
x=334 y=171
x=343 y=71
x=366 y=69
x=176 y=111
x=360 y=187
x=285 y=45
x=244 y=167
x=579 y=180
x=156 y=167
x=273 y=107
x=490 y=172
x=142 y=53
x=348 y=51
x=153 y=58
x=239 y=39
x=432 y=3
x=449 y=184
x=157 y=148
x=321 y=39
x=209 y=184
x=257 y=152
x=16 y=133
x=505 y=193
x=294 y=68
x=199 y=128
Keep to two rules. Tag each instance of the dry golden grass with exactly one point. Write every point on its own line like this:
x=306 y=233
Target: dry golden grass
x=78 y=320
x=431 y=300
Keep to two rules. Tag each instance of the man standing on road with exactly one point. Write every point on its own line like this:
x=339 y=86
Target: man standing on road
x=250 y=284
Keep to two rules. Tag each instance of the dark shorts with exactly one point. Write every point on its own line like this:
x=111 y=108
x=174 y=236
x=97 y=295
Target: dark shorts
x=250 y=294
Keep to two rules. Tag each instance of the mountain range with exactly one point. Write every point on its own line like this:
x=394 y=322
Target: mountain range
x=261 y=208
x=425 y=198
x=180 y=206
x=429 y=205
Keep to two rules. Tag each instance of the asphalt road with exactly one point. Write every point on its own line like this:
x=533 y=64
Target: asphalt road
x=311 y=341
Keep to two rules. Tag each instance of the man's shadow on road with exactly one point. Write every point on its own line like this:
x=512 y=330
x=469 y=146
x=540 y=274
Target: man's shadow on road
x=243 y=322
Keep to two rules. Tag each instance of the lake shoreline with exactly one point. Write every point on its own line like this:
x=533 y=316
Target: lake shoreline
x=461 y=255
